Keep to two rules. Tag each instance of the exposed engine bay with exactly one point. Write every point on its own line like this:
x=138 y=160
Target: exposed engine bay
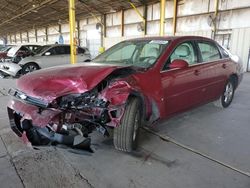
x=70 y=119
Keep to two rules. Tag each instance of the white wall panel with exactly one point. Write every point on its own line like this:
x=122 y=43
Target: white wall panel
x=94 y=20
x=240 y=18
x=131 y=30
x=193 y=23
x=109 y=19
x=192 y=7
x=66 y=38
x=32 y=40
x=53 y=30
x=82 y=24
x=230 y=4
x=153 y=28
x=41 y=32
x=240 y=44
x=52 y=39
x=207 y=33
x=156 y=11
x=83 y=38
x=65 y=28
x=32 y=33
x=117 y=17
x=130 y=16
x=114 y=31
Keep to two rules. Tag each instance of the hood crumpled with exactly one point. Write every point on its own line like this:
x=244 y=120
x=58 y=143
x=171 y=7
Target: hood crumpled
x=49 y=84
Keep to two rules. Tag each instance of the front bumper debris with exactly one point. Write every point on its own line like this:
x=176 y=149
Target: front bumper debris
x=44 y=135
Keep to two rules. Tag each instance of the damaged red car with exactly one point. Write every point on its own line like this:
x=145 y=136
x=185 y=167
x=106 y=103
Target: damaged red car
x=134 y=83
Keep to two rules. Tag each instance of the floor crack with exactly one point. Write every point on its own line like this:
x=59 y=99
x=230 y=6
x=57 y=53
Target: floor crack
x=12 y=162
x=173 y=141
x=78 y=173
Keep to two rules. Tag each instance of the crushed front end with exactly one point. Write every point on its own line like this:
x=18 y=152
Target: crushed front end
x=68 y=119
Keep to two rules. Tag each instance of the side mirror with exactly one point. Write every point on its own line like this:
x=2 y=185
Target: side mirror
x=178 y=63
x=47 y=53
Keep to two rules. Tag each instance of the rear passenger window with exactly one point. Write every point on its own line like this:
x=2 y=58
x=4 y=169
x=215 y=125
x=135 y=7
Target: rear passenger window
x=66 y=50
x=209 y=51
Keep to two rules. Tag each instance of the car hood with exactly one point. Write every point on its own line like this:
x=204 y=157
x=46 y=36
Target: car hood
x=13 y=51
x=49 y=84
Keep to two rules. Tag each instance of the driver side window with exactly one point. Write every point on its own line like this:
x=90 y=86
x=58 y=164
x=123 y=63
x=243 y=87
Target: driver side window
x=184 y=51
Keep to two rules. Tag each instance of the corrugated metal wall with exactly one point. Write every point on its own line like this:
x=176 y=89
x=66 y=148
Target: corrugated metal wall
x=240 y=44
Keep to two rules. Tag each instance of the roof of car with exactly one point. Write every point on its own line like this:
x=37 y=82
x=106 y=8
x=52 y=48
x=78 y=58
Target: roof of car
x=169 y=38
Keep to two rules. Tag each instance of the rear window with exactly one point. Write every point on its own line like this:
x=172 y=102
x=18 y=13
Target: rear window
x=209 y=51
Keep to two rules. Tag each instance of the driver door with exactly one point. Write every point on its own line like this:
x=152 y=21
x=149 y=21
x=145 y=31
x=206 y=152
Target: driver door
x=182 y=87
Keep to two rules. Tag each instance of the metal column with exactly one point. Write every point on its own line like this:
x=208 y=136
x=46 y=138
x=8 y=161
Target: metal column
x=175 y=16
x=162 y=19
x=72 y=25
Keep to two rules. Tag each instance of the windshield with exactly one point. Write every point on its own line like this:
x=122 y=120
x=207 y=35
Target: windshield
x=143 y=53
x=41 y=49
x=5 y=49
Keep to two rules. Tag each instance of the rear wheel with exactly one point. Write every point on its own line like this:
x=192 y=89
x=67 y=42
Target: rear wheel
x=126 y=135
x=227 y=96
x=29 y=67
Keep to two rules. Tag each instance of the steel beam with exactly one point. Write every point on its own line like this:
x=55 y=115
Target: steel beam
x=72 y=25
x=162 y=18
x=175 y=16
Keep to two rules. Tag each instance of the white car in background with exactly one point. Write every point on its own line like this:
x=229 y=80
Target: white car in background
x=46 y=56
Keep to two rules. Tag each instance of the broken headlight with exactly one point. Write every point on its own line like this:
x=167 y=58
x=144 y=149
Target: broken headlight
x=81 y=101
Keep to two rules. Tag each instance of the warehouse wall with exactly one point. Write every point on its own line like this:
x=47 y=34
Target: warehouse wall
x=194 y=18
x=89 y=36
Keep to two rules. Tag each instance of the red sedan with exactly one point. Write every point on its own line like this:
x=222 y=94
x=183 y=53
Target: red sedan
x=134 y=83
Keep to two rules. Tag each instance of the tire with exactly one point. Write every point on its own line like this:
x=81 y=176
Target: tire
x=126 y=135
x=29 y=67
x=227 y=96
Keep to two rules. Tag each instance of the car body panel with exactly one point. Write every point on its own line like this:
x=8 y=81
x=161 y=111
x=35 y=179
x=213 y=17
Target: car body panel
x=163 y=93
x=10 y=68
x=48 y=84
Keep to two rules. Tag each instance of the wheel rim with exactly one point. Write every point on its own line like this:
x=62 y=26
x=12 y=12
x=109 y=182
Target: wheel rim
x=30 y=68
x=228 y=94
x=136 y=126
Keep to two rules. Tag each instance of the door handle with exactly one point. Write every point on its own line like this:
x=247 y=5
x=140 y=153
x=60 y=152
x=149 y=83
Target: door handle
x=196 y=72
x=224 y=66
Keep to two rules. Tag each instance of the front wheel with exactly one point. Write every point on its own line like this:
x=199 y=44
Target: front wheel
x=126 y=135
x=29 y=67
x=227 y=96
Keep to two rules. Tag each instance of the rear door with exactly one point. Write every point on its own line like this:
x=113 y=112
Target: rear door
x=65 y=53
x=182 y=87
x=213 y=66
x=56 y=57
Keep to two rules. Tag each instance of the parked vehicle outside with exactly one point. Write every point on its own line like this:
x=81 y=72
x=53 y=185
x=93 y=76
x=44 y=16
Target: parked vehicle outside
x=134 y=83
x=17 y=53
x=3 y=53
x=46 y=56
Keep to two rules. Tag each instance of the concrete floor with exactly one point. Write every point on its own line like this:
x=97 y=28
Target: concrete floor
x=223 y=134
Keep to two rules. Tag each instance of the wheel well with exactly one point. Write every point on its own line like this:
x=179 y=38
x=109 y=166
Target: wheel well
x=234 y=78
x=87 y=60
x=141 y=98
